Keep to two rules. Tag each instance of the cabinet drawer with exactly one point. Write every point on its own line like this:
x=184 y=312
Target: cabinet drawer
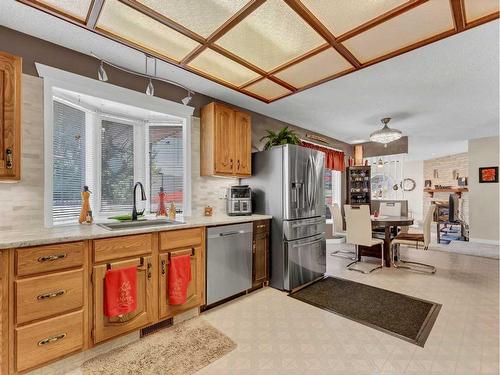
x=43 y=296
x=42 y=342
x=176 y=239
x=32 y=260
x=122 y=247
x=260 y=226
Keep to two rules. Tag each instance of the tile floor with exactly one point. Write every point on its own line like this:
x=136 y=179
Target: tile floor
x=277 y=334
x=280 y=335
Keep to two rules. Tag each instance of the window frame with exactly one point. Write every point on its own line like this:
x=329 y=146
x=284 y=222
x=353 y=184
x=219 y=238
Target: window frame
x=58 y=79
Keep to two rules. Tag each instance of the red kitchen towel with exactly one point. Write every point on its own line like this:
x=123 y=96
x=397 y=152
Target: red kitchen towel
x=179 y=276
x=120 y=291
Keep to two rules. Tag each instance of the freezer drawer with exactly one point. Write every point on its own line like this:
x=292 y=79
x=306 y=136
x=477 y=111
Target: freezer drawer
x=305 y=261
x=301 y=228
x=229 y=261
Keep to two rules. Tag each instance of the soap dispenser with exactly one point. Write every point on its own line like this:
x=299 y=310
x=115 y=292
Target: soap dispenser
x=86 y=212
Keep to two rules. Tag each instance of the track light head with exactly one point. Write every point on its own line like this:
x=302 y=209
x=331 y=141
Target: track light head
x=101 y=73
x=150 y=90
x=188 y=98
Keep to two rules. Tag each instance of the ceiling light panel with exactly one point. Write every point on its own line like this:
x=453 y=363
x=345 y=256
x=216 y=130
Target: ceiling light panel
x=267 y=89
x=315 y=68
x=345 y=15
x=422 y=22
x=270 y=36
x=74 y=8
x=202 y=17
x=222 y=68
x=121 y=20
x=475 y=9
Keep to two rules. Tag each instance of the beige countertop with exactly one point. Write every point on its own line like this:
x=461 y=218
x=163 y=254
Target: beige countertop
x=33 y=236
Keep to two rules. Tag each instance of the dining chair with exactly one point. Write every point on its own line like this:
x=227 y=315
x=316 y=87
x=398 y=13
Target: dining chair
x=338 y=230
x=414 y=239
x=359 y=232
x=390 y=208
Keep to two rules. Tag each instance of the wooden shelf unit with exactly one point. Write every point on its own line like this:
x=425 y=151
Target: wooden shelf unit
x=456 y=190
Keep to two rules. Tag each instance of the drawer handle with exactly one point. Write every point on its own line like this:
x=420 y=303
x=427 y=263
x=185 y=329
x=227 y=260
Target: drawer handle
x=51 y=339
x=261 y=226
x=9 y=157
x=51 y=258
x=50 y=295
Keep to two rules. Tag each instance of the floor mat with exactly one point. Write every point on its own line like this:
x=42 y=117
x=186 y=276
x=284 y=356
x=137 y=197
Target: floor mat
x=180 y=350
x=400 y=315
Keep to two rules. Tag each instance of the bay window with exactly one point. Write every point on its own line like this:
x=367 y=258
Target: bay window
x=109 y=154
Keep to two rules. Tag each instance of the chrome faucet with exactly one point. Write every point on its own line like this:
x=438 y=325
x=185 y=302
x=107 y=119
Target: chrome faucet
x=143 y=197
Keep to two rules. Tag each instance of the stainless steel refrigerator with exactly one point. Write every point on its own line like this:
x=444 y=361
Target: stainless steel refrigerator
x=288 y=183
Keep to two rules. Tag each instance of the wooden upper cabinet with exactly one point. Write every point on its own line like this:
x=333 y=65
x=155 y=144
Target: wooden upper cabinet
x=225 y=141
x=243 y=127
x=10 y=117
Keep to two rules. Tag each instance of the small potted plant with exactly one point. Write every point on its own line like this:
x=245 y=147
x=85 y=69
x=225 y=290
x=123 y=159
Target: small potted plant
x=283 y=137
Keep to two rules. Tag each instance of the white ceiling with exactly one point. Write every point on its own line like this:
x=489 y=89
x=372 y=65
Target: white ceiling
x=440 y=95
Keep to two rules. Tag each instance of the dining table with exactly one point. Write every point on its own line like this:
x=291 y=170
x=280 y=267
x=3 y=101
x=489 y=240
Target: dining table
x=390 y=225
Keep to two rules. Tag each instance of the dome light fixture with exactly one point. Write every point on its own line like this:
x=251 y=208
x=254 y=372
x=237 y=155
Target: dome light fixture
x=386 y=135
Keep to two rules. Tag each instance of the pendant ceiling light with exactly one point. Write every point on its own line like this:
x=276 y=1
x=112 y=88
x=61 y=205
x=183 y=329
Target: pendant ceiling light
x=386 y=134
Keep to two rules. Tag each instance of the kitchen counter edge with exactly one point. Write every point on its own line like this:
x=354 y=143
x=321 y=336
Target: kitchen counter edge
x=70 y=233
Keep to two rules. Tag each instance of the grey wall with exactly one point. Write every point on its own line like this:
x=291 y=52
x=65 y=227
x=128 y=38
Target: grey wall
x=32 y=50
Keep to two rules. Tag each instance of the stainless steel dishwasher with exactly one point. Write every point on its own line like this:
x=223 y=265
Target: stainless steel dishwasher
x=229 y=261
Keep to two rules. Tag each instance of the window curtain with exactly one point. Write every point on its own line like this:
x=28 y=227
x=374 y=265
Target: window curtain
x=334 y=160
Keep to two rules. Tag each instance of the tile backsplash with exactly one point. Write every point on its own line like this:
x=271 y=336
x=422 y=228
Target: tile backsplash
x=205 y=190
x=21 y=203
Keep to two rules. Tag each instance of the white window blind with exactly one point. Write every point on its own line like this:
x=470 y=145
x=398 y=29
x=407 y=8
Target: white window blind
x=166 y=165
x=117 y=166
x=68 y=162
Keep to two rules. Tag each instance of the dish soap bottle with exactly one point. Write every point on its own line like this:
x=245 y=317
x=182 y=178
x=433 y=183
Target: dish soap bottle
x=171 y=211
x=86 y=212
x=162 y=210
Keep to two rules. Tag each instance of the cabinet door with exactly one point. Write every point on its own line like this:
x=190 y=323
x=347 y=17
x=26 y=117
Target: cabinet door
x=224 y=140
x=260 y=258
x=243 y=143
x=195 y=287
x=10 y=117
x=104 y=327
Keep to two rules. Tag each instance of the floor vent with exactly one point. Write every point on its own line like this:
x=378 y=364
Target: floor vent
x=149 y=330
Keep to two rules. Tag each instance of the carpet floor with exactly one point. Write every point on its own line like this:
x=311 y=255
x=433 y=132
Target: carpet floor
x=179 y=350
x=403 y=316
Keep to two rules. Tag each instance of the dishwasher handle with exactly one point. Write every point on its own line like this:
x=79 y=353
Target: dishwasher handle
x=226 y=234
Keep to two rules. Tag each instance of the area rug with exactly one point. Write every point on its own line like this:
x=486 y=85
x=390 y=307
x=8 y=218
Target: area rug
x=179 y=350
x=403 y=316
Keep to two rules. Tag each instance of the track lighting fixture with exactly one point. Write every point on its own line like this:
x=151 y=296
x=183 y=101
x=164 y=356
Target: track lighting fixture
x=150 y=90
x=188 y=98
x=101 y=73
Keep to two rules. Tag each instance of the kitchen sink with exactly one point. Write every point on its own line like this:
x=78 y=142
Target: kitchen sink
x=139 y=224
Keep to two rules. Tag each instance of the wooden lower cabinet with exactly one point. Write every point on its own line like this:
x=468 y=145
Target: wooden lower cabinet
x=52 y=296
x=106 y=328
x=48 y=340
x=260 y=252
x=195 y=290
